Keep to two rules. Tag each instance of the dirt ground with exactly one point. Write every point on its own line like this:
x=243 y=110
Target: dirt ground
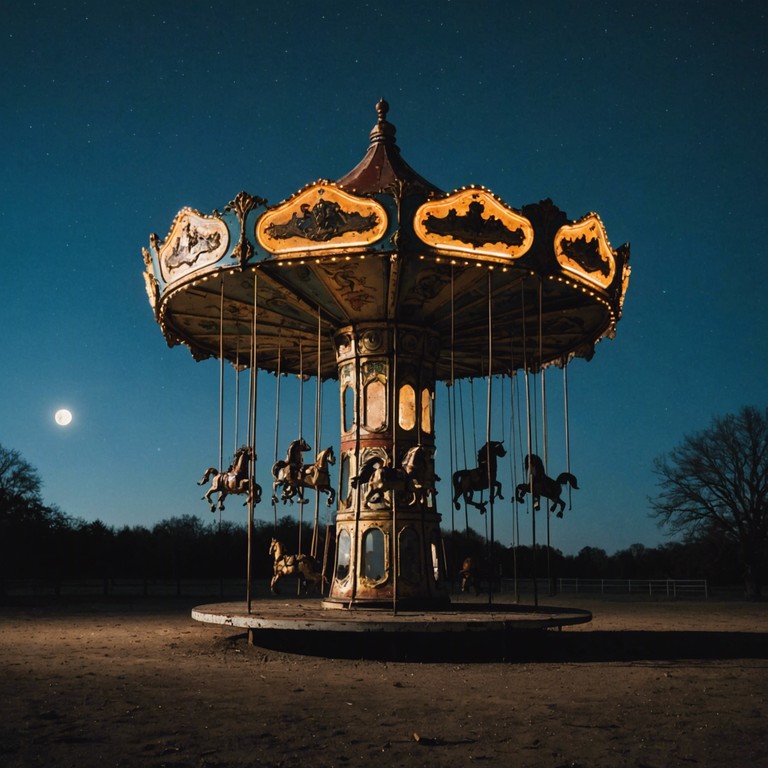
x=139 y=683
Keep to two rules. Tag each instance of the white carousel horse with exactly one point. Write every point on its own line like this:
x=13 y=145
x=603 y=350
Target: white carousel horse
x=549 y=488
x=235 y=480
x=467 y=481
x=417 y=465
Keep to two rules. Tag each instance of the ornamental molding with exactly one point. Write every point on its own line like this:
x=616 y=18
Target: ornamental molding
x=582 y=250
x=195 y=241
x=474 y=221
x=322 y=217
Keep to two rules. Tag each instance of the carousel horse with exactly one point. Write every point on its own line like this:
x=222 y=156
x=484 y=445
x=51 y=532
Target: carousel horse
x=417 y=465
x=544 y=486
x=302 y=566
x=286 y=472
x=411 y=478
x=467 y=481
x=469 y=576
x=235 y=480
x=476 y=571
x=315 y=476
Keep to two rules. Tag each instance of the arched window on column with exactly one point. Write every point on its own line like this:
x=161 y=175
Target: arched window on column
x=437 y=560
x=375 y=404
x=373 y=562
x=344 y=491
x=427 y=403
x=409 y=566
x=343 y=552
x=348 y=408
x=407 y=407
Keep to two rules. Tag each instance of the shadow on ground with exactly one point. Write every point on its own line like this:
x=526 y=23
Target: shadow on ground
x=518 y=646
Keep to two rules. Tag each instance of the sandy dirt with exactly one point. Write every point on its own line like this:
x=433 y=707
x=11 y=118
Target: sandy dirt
x=140 y=683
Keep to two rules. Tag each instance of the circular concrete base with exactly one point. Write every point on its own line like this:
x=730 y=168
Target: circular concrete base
x=304 y=626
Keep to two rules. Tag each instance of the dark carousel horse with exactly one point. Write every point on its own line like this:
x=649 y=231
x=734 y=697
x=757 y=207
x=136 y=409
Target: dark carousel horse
x=467 y=481
x=474 y=571
x=544 y=486
x=470 y=578
x=315 y=476
x=304 y=567
x=413 y=477
x=235 y=480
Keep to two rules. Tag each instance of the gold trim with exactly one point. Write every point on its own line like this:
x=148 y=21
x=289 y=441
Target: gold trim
x=474 y=221
x=576 y=253
x=195 y=241
x=322 y=217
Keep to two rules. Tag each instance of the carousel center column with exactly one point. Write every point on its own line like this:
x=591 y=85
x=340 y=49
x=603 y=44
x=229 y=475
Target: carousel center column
x=388 y=542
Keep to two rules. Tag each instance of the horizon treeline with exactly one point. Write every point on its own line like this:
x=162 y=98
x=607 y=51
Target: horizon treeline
x=53 y=547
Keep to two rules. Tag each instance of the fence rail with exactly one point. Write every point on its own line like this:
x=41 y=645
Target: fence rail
x=126 y=587
x=651 y=587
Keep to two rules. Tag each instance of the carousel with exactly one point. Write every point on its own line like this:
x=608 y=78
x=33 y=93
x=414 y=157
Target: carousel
x=385 y=283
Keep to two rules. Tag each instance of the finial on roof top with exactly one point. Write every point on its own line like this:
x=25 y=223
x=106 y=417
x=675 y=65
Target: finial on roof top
x=381 y=109
x=382 y=169
x=383 y=130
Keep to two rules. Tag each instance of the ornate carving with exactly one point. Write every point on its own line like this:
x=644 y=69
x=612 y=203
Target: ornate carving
x=582 y=249
x=150 y=281
x=409 y=342
x=586 y=253
x=372 y=369
x=324 y=221
x=194 y=241
x=242 y=205
x=472 y=228
x=371 y=341
x=474 y=221
x=321 y=217
x=190 y=245
x=350 y=285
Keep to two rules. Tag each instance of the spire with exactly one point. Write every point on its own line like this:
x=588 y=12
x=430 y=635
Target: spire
x=383 y=131
x=382 y=167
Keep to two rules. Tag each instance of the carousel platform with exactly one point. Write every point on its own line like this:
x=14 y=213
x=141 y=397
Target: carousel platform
x=469 y=628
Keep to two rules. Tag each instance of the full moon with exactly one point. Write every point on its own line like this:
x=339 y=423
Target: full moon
x=63 y=417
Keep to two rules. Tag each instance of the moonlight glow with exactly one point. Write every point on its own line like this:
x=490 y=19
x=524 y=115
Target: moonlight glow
x=63 y=417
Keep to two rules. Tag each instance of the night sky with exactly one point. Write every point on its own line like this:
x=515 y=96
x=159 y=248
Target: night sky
x=113 y=117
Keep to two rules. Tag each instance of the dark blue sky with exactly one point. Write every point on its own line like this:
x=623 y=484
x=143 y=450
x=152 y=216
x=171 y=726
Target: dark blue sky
x=114 y=118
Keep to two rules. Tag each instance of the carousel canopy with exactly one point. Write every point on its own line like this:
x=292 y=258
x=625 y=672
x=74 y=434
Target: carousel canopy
x=384 y=244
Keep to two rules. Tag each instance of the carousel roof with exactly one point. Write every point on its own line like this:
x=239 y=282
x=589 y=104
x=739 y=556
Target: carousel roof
x=384 y=244
x=383 y=169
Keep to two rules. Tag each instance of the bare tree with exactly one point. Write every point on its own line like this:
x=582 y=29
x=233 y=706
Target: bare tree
x=19 y=484
x=716 y=483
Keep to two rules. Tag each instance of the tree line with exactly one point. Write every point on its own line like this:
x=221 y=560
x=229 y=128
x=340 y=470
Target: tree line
x=49 y=547
x=713 y=493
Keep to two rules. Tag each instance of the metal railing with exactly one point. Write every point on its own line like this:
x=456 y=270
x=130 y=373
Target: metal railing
x=650 y=587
